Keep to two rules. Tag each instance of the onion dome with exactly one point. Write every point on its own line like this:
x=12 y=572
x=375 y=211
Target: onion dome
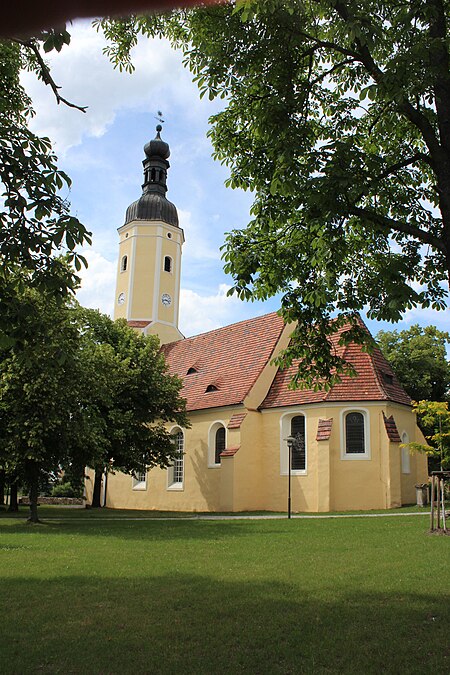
x=153 y=205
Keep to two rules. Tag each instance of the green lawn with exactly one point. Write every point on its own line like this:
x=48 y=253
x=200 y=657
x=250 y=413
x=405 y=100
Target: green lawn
x=365 y=595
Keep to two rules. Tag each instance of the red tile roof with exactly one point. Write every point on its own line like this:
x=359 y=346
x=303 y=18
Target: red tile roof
x=369 y=385
x=231 y=358
x=230 y=452
x=391 y=429
x=236 y=420
x=138 y=324
x=324 y=429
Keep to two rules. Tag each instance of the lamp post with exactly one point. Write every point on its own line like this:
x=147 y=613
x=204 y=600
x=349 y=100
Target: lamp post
x=290 y=443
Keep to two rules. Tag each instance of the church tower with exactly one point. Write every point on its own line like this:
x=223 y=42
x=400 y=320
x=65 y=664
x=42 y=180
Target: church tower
x=150 y=243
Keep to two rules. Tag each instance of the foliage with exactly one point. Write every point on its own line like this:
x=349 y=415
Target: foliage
x=64 y=490
x=131 y=395
x=80 y=389
x=337 y=117
x=35 y=222
x=419 y=359
x=434 y=419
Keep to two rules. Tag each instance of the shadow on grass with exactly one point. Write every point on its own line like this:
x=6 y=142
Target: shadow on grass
x=193 y=624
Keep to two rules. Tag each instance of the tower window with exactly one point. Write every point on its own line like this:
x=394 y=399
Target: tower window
x=153 y=176
x=124 y=263
x=167 y=263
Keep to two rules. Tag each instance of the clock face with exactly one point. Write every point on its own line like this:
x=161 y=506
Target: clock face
x=166 y=299
x=121 y=299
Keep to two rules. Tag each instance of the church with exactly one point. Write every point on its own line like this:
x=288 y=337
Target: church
x=345 y=443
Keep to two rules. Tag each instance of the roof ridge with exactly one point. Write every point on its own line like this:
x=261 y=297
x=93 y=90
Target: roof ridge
x=229 y=325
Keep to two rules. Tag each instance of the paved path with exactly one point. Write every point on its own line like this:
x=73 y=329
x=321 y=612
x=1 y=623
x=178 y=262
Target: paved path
x=281 y=516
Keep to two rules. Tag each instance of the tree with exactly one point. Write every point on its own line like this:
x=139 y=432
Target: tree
x=434 y=420
x=337 y=117
x=131 y=396
x=81 y=389
x=39 y=390
x=35 y=222
x=418 y=358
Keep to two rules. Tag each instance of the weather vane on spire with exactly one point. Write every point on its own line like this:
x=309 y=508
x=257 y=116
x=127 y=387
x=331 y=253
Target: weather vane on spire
x=159 y=117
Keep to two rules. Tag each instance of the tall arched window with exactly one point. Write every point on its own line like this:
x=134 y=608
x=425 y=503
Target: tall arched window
x=406 y=457
x=167 y=263
x=219 y=444
x=176 y=471
x=354 y=434
x=299 y=446
x=124 y=263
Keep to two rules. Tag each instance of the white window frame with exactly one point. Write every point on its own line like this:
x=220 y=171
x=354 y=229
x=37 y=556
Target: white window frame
x=171 y=484
x=215 y=426
x=285 y=431
x=138 y=483
x=406 y=455
x=350 y=456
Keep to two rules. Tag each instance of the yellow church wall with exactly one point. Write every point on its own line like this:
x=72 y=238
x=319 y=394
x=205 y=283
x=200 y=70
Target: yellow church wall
x=143 y=265
x=247 y=466
x=123 y=278
x=202 y=486
x=304 y=492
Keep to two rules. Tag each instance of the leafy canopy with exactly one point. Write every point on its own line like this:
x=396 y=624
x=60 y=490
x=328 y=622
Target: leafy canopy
x=337 y=117
x=35 y=221
x=434 y=420
x=80 y=389
x=419 y=359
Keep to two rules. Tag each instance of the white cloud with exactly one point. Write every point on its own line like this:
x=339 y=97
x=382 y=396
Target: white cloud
x=97 y=282
x=88 y=78
x=199 y=314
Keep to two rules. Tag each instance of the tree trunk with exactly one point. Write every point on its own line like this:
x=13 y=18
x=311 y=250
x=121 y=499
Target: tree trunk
x=33 y=477
x=97 y=490
x=13 y=503
x=2 y=488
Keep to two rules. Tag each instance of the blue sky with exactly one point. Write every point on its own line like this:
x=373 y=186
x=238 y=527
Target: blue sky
x=102 y=152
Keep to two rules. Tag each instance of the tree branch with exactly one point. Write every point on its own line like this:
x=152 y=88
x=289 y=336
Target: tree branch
x=45 y=73
x=399 y=226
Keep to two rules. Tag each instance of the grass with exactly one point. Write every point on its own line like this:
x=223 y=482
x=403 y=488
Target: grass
x=305 y=596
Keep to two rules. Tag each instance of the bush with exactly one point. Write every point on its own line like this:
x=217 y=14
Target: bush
x=63 y=490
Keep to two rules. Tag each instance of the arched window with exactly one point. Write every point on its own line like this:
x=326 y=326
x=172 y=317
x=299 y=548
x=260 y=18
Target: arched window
x=176 y=471
x=299 y=447
x=406 y=457
x=211 y=387
x=124 y=263
x=167 y=263
x=354 y=434
x=219 y=444
x=294 y=424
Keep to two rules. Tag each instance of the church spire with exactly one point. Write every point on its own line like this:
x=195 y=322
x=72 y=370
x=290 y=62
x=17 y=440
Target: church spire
x=153 y=205
x=155 y=164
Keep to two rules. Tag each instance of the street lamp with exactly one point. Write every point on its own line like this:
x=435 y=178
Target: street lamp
x=290 y=442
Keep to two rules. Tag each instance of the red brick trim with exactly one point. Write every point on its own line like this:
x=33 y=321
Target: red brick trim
x=236 y=420
x=324 y=429
x=230 y=452
x=391 y=429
